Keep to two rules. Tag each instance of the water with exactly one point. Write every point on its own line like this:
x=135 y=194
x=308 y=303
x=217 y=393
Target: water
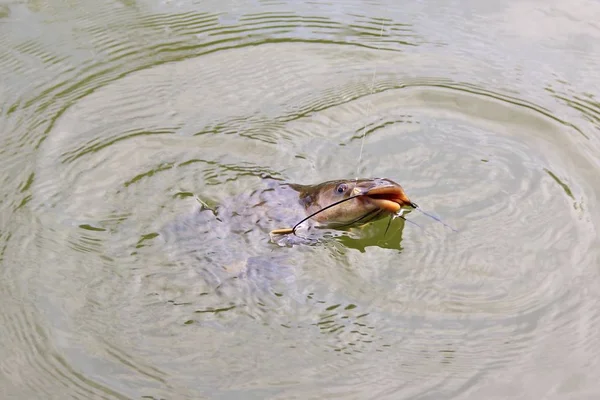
x=116 y=116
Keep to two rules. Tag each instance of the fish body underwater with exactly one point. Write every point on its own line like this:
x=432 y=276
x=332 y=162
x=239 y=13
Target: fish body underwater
x=239 y=238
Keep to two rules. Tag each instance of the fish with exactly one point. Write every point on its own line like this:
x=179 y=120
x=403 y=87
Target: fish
x=230 y=241
x=349 y=202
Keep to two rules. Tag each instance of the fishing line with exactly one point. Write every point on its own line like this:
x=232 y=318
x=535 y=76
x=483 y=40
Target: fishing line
x=362 y=141
x=362 y=145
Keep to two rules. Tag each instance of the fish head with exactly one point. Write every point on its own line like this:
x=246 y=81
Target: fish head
x=350 y=202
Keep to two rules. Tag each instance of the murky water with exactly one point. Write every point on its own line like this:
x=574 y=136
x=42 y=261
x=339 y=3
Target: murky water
x=117 y=117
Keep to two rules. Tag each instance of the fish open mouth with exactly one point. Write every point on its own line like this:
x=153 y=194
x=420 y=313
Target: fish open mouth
x=388 y=198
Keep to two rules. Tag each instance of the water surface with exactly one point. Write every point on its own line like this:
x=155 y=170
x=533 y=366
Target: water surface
x=116 y=118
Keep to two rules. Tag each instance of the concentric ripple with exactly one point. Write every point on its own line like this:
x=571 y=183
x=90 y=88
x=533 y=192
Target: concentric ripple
x=120 y=121
x=443 y=286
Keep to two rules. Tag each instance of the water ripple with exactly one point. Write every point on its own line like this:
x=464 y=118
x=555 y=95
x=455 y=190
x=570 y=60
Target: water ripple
x=120 y=119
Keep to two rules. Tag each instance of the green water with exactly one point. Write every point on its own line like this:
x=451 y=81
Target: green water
x=116 y=117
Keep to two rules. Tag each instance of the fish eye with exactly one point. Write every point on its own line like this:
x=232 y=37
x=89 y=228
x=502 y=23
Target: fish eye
x=341 y=188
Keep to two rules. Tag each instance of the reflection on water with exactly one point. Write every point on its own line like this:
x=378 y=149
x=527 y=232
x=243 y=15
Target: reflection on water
x=119 y=119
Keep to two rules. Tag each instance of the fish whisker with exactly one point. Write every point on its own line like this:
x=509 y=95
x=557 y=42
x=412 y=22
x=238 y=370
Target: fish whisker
x=323 y=209
x=414 y=205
